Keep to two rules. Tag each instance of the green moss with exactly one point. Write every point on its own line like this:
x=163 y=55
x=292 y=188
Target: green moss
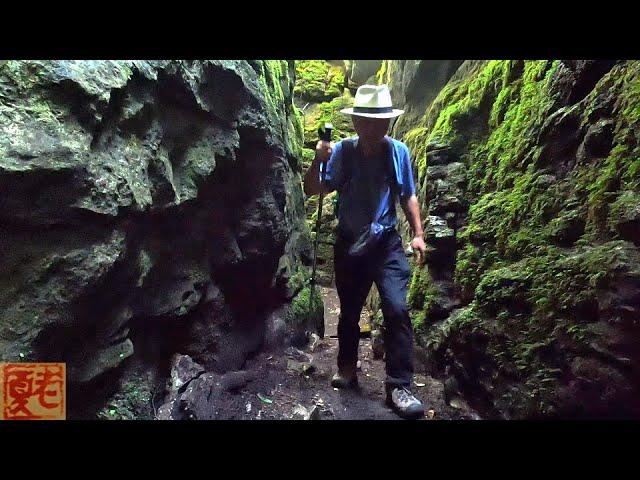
x=420 y=282
x=565 y=281
x=383 y=75
x=462 y=117
x=24 y=78
x=21 y=75
x=377 y=320
x=329 y=112
x=509 y=205
x=298 y=279
x=421 y=298
x=625 y=209
x=536 y=252
x=295 y=131
x=307 y=308
x=435 y=339
x=508 y=150
x=418 y=320
x=620 y=170
x=276 y=87
x=416 y=141
x=526 y=308
x=533 y=300
x=318 y=81
x=459 y=101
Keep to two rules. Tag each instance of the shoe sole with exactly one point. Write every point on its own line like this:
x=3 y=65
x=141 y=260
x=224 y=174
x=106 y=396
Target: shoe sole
x=407 y=416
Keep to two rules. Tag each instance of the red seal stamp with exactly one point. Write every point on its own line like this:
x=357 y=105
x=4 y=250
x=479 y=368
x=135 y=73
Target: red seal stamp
x=32 y=391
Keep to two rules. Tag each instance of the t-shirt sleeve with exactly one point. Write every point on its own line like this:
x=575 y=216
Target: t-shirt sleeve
x=334 y=174
x=408 y=184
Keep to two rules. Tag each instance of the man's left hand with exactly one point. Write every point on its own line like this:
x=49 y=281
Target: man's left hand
x=419 y=249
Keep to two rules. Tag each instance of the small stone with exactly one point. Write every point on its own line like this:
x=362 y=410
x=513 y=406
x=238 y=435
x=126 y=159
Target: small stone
x=300 y=367
x=459 y=404
x=300 y=413
x=315 y=413
x=298 y=355
x=313 y=342
x=183 y=370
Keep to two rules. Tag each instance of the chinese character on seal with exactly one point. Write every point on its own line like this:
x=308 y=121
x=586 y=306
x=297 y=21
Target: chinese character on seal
x=32 y=391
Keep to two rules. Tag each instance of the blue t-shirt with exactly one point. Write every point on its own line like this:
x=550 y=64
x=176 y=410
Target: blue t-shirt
x=359 y=200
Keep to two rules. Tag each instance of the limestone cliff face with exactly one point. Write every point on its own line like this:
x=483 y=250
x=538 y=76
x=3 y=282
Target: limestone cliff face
x=529 y=178
x=149 y=207
x=360 y=72
x=414 y=84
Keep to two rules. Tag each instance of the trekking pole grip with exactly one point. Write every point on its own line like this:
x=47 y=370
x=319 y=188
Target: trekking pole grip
x=325 y=133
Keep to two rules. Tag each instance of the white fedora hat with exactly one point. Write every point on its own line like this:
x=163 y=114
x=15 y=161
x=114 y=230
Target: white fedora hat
x=373 y=101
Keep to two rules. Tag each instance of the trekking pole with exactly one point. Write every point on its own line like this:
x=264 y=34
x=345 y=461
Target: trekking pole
x=324 y=135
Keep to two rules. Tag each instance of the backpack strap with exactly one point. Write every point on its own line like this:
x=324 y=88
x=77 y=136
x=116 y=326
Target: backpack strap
x=349 y=150
x=391 y=167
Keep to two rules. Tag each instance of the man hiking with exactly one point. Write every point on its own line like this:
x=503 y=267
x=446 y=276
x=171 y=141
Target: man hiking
x=371 y=172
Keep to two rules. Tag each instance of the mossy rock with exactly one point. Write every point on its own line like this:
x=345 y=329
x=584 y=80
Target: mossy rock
x=329 y=112
x=542 y=251
x=624 y=217
x=306 y=310
x=318 y=81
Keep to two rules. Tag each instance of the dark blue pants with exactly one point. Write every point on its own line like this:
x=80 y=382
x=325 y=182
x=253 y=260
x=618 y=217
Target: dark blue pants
x=387 y=266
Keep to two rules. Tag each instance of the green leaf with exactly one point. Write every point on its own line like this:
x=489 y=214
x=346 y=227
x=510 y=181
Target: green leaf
x=265 y=399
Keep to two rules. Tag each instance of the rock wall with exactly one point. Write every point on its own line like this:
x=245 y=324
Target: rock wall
x=361 y=72
x=529 y=179
x=148 y=208
x=414 y=85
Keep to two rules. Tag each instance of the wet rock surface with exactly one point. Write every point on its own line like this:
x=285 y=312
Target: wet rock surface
x=143 y=203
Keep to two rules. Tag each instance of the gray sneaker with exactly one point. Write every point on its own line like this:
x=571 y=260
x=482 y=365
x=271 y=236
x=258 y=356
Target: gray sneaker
x=402 y=401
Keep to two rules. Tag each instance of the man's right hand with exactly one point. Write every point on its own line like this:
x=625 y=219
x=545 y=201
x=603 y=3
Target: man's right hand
x=323 y=151
x=312 y=184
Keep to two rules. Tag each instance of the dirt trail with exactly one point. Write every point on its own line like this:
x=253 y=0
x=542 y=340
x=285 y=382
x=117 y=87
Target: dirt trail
x=283 y=388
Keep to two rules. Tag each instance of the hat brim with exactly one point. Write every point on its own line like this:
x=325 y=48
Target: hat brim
x=395 y=113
